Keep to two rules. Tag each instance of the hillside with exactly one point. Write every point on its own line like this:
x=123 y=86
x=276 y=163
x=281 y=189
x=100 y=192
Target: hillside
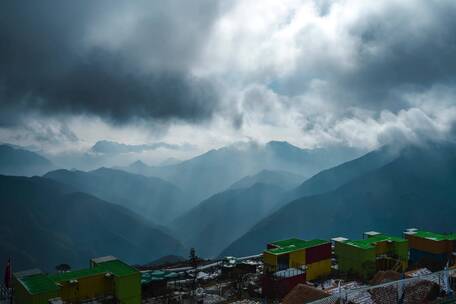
x=330 y=179
x=282 y=179
x=224 y=217
x=20 y=162
x=151 y=197
x=217 y=170
x=58 y=225
x=416 y=189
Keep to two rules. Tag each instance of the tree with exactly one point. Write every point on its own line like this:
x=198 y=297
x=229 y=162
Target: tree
x=63 y=267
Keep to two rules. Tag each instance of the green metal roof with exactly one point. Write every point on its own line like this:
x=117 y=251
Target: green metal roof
x=75 y=275
x=41 y=283
x=38 y=283
x=452 y=236
x=116 y=267
x=434 y=236
x=294 y=244
x=369 y=243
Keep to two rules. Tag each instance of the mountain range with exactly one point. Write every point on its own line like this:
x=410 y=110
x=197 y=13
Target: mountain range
x=152 y=197
x=216 y=170
x=283 y=179
x=379 y=191
x=229 y=201
x=44 y=223
x=224 y=217
x=20 y=162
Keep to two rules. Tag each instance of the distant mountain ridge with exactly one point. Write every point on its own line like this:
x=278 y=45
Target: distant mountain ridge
x=331 y=179
x=44 y=223
x=224 y=217
x=21 y=162
x=417 y=188
x=151 y=197
x=216 y=170
x=282 y=179
x=324 y=181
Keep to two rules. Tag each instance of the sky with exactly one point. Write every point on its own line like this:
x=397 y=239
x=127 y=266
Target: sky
x=208 y=73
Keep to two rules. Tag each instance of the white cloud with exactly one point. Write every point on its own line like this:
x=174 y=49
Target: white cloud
x=315 y=73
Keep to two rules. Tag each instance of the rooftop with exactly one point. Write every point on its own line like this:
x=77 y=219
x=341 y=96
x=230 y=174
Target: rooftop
x=37 y=283
x=433 y=235
x=339 y=239
x=369 y=243
x=372 y=233
x=103 y=259
x=290 y=245
x=156 y=275
x=302 y=293
x=74 y=275
x=116 y=267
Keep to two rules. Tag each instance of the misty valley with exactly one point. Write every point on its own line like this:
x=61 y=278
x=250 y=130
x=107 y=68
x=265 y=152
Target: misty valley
x=229 y=201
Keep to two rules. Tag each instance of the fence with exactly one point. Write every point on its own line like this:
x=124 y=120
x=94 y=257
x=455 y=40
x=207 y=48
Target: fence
x=419 y=289
x=5 y=294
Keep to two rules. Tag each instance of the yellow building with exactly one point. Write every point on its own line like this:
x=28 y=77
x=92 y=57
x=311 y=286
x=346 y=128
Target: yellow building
x=107 y=278
x=367 y=256
x=314 y=256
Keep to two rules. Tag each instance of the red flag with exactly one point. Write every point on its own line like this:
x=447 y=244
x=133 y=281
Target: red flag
x=8 y=274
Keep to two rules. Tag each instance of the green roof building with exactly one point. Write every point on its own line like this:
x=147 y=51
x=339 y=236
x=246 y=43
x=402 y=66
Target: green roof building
x=376 y=252
x=430 y=249
x=107 y=278
x=312 y=255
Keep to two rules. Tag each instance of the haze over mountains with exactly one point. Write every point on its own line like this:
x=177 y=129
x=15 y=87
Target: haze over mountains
x=76 y=214
x=44 y=223
x=225 y=216
x=415 y=189
x=282 y=179
x=17 y=161
x=216 y=170
x=152 y=197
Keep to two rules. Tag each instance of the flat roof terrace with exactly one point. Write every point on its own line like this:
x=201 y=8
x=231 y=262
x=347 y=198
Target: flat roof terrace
x=37 y=283
x=370 y=243
x=432 y=235
x=294 y=244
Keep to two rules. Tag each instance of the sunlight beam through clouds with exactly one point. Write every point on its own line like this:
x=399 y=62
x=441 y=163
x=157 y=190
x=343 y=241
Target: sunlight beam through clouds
x=314 y=73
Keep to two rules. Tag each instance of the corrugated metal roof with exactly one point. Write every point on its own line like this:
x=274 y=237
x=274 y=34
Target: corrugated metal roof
x=371 y=233
x=339 y=239
x=104 y=259
x=433 y=235
x=294 y=244
x=27 y=273
x=369 y=243
x=36 y=283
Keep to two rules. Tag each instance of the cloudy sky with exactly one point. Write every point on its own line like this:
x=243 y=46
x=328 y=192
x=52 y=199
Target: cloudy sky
x=211 y=72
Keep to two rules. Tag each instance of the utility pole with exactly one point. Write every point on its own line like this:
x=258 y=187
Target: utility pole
x=193 y=258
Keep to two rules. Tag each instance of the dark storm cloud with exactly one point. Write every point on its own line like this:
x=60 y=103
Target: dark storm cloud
x=415 y=54
x=400 y=48
x=50 y=61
